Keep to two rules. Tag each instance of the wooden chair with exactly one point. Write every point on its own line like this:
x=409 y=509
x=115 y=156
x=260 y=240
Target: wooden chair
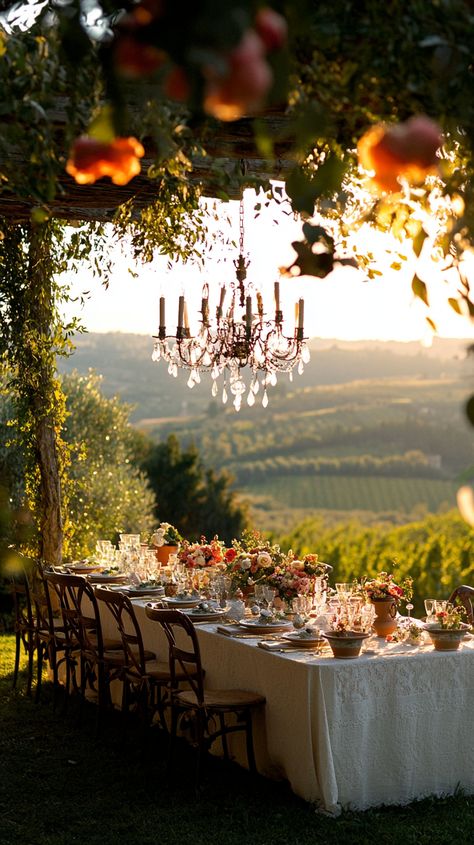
x=464 y=596
x=145 y=679
x=51 y=640
x=98 y=659
x=207 y=708
x=24 y=624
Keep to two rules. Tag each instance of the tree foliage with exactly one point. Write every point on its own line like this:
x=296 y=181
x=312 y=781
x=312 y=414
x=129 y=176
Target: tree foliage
x=198 y=501
x=109 y=494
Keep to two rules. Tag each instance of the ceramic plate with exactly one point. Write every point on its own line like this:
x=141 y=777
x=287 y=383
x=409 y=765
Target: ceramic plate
x=198 y=615
x=176 y=601
x=265 y=627
x=303 y=642
x=107 y=578
x=84 y=568
x=144 y=591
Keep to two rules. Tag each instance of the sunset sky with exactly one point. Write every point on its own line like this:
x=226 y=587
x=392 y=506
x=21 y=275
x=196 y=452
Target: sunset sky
x=343 y=305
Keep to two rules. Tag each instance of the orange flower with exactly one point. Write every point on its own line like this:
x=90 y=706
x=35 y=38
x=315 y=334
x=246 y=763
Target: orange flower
x=92 y=159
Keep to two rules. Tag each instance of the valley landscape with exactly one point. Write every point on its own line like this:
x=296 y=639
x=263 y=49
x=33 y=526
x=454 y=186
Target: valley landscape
x=372 y=430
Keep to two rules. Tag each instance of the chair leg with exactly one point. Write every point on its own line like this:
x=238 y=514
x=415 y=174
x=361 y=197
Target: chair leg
x=250 y=749
x=17 y=658
x=225 y=746
x=31 y=655
x=172 y=737
x=39 y=669
x=200 y=734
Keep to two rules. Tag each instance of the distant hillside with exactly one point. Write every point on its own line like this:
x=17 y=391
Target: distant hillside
x=124 y=361
x=374 y=428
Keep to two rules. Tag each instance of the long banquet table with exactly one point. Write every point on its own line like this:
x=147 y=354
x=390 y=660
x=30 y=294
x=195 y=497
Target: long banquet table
x=389 y=727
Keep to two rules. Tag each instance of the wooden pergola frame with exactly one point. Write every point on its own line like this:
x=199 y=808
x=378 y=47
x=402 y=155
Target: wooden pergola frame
x=230 y=148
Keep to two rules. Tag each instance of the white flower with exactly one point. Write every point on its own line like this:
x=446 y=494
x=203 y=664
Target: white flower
x=199 y=559
x=246 y=563
x=158 y=538
x=264 y=559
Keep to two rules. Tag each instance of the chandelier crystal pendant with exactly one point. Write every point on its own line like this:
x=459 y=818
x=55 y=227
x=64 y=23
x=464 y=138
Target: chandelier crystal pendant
x=241 y=337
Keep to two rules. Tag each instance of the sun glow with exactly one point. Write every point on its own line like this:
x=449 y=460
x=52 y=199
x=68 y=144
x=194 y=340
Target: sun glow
x=347 y=304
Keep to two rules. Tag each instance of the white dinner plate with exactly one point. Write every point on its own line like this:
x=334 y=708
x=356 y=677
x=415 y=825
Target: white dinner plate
x=264 y=627
x=84 y=568
x=198 y=615
x=294 y=638
x=107 y=578
x=143 y=591
x=176 y=601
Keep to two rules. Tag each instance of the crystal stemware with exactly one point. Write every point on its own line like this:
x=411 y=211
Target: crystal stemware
x=429 y=608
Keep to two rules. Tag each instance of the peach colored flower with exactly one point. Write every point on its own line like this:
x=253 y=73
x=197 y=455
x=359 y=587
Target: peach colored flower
x=91 y=159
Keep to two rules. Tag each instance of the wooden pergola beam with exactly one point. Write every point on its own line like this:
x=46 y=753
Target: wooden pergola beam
x=230 y=149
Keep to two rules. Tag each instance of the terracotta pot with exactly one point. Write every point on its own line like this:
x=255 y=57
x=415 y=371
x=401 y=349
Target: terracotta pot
x=163 y=553
x=346 y=646
x=446 y=639
x=385 y=621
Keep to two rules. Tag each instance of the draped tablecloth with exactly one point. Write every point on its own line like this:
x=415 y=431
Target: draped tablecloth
x=391 y=726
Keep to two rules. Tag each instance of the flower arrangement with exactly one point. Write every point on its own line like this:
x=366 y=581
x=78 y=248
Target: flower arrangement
x=290 y=581
x=452 y=618
x=251 y=560
x=203 y=554
x=166 y=535
x=294 y=577
x=383 y=586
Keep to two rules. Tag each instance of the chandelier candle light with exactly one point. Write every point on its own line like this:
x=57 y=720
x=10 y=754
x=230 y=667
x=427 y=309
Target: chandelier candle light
x=235 y=340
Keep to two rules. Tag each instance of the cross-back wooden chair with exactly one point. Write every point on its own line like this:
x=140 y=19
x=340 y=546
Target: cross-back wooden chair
x=208 y=708
x=52 y=642
x=99 y=659
x=24 y=623
x=145 y=678
x=464 y=596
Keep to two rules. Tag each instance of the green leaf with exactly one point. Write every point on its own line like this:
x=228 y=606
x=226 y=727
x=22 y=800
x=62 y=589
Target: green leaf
x=39 y=215
x=102 y=127
x=419 y=289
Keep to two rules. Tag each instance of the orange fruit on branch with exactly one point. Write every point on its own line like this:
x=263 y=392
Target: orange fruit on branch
x=406 y=150
x=91 y=159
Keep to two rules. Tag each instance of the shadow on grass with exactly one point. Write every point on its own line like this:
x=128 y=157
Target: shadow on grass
x=61 y=785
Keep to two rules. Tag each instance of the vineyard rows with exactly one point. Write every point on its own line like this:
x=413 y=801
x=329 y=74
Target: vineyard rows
x=357 y=493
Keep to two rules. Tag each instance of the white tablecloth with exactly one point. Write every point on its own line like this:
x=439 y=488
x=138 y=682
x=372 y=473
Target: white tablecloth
x=391 y=726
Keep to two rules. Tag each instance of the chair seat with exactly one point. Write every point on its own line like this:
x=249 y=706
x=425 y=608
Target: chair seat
x=108 y=644
x=222 y=699
x=117 y=657
x=160 y=671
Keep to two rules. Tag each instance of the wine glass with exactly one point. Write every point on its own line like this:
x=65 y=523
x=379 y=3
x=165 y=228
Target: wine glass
x=429 y=608
x=269 y=594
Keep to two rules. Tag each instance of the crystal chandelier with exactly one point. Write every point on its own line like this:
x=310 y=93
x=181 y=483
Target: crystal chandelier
x=241 y=337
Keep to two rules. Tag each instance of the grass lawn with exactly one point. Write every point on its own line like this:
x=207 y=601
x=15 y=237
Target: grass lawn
x=59 y=785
